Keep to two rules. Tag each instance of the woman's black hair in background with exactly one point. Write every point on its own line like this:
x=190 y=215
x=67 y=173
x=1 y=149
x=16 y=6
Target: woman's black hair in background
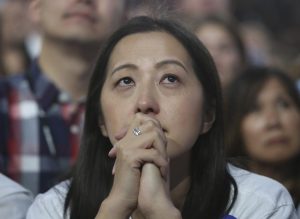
x=210 y=192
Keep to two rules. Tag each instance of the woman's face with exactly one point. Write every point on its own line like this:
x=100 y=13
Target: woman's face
x=223 y=49
x=271 y=130
x=151 y=73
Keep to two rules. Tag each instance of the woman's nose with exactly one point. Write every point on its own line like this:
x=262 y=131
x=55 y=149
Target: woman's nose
x=147 y=101
x=272 y=118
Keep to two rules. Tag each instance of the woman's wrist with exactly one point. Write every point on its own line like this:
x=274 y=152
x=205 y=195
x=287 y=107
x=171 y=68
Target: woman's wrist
x=173 y=213
x=112 y=208
x=163 y=212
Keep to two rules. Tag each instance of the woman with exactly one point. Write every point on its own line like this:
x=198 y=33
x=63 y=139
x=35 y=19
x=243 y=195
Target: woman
x=153 y=138
x=225 y=44
x=263 y=124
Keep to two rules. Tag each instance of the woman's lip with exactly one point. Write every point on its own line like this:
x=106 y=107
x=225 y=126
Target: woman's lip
x=84 y=15
x=277 y=141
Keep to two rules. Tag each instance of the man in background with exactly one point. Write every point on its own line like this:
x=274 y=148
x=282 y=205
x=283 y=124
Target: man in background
x=41 y=110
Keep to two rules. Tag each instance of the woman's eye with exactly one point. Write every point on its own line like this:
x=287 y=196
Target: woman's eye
x=127 y=81
x=170 y=79
x=283 y=104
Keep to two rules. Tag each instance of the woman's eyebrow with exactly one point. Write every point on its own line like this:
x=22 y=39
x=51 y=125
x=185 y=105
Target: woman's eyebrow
x=124 y=66
x=172 y=62
x=157 y=65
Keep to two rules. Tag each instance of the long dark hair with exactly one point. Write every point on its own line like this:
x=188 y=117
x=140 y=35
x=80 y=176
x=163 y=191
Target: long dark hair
x=241 y=97
x=209 y=194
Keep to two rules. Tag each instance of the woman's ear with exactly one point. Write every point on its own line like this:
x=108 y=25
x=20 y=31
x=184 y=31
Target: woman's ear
x=208 y=120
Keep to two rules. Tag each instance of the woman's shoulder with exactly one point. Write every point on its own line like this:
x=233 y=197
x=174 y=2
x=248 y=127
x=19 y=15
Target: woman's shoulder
x=255 y=183
x=260 y=197
x=51 y=203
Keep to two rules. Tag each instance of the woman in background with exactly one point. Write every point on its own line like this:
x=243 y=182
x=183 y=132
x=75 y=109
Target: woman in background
x=224 y=42
x=263 y=125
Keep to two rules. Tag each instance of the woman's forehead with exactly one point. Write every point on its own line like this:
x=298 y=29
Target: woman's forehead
x=148 y=45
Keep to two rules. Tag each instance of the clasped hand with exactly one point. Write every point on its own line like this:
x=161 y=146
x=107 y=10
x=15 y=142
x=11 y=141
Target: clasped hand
x=140 y=171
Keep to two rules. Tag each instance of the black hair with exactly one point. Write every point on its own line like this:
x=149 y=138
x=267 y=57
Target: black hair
x=209 y=195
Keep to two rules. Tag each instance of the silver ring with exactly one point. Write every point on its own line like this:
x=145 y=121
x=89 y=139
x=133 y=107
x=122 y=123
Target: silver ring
x=136 y=131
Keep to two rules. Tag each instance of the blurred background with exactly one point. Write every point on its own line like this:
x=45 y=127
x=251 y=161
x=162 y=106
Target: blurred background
x=270 y=29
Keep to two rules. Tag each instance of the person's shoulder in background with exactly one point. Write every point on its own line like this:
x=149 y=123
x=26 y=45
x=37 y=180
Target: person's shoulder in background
x=260 y=197
x=12 y=82
x=50 y=204
x=14 y=199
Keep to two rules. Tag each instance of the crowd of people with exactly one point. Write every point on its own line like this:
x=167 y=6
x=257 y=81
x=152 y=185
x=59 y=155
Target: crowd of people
x=147 y=109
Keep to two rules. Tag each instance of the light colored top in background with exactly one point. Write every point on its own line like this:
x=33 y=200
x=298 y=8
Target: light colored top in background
x=14 y=199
